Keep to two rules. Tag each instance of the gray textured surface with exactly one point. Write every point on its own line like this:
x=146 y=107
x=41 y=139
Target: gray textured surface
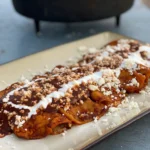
x=18 y=39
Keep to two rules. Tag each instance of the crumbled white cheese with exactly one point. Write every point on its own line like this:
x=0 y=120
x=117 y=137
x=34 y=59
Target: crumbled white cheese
x=113 y=109
x=5 y=111
x=115 y=114
x=71 y=60
x=22 y=78
x=95 y=119
x=98 y=59
x=26 y=81
x=124 y=91
x=5 y=100
x=64 y=133
x=108 y=85
x=117 y=90
x=108 y=73
x=108 y=114
x=133 y=105
x=46 y=68
x=81 y=101
x=123 y=41
x=145 y=48
x=134 y=82
x=142 y=92
x=117 y=72
x=103 y=89
x=105 y=107
x=129 y=64
x=113 y=125
x=107 y=93
x=93 y=87
x=19 y=122
x=66 y=108
x=101 y=81
x=104 y=120
x=141 y=104
x=82 y=48
x=110 y=49
x=75 y=68
x=92 y=50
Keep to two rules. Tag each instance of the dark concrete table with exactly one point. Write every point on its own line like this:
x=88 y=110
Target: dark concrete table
x=18 y=39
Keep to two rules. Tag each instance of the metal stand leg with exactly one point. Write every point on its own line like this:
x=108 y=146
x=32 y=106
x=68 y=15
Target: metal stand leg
x=117 y=20
x=37 y=26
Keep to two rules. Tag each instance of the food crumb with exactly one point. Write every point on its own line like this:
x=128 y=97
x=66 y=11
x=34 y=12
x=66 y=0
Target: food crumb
x=95 y=119
x=64 y=133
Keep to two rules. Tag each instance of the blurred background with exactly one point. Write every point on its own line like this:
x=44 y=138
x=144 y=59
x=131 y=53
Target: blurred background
x=21 y=35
